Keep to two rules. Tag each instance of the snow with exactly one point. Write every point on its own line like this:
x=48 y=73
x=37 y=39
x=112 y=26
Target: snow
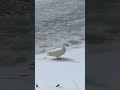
x=67 y=71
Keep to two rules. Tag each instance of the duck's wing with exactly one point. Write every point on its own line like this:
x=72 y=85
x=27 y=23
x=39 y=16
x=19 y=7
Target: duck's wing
x=57 y=49
x=55 y=52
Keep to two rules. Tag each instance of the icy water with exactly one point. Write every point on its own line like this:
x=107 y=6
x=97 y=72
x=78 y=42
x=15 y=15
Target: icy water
x=59 y=21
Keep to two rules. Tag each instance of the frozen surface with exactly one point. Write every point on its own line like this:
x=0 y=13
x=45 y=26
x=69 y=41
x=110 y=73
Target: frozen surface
x=58 y=21
x=67 y=71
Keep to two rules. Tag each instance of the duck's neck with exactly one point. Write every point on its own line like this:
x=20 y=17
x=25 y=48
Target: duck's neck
x=63 y=47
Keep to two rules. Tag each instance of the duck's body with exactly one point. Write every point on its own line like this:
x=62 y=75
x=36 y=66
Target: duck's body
x=58 y=52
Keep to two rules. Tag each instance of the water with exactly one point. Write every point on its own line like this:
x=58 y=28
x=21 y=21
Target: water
x=59 y=21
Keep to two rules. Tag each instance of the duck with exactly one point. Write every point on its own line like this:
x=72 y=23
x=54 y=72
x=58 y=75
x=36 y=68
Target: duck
x=58 y=52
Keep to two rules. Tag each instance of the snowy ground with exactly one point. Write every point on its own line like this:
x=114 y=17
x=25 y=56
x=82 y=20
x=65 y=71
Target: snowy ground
x=69 y=71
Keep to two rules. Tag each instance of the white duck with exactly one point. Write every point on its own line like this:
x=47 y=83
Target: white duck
x=59 y=51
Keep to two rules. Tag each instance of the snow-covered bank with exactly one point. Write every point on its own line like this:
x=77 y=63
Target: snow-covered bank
x=67 y=71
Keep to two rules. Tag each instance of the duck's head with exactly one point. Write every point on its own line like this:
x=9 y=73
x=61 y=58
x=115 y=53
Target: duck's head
x=66 y=44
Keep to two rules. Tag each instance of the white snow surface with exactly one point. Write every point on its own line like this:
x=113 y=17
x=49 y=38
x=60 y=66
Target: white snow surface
x=67 y=71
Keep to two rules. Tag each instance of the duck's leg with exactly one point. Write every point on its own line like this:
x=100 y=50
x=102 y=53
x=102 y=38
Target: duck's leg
x=60 y=57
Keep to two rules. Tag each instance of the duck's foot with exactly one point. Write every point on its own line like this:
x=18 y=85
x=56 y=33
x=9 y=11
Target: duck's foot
x=58 y=57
